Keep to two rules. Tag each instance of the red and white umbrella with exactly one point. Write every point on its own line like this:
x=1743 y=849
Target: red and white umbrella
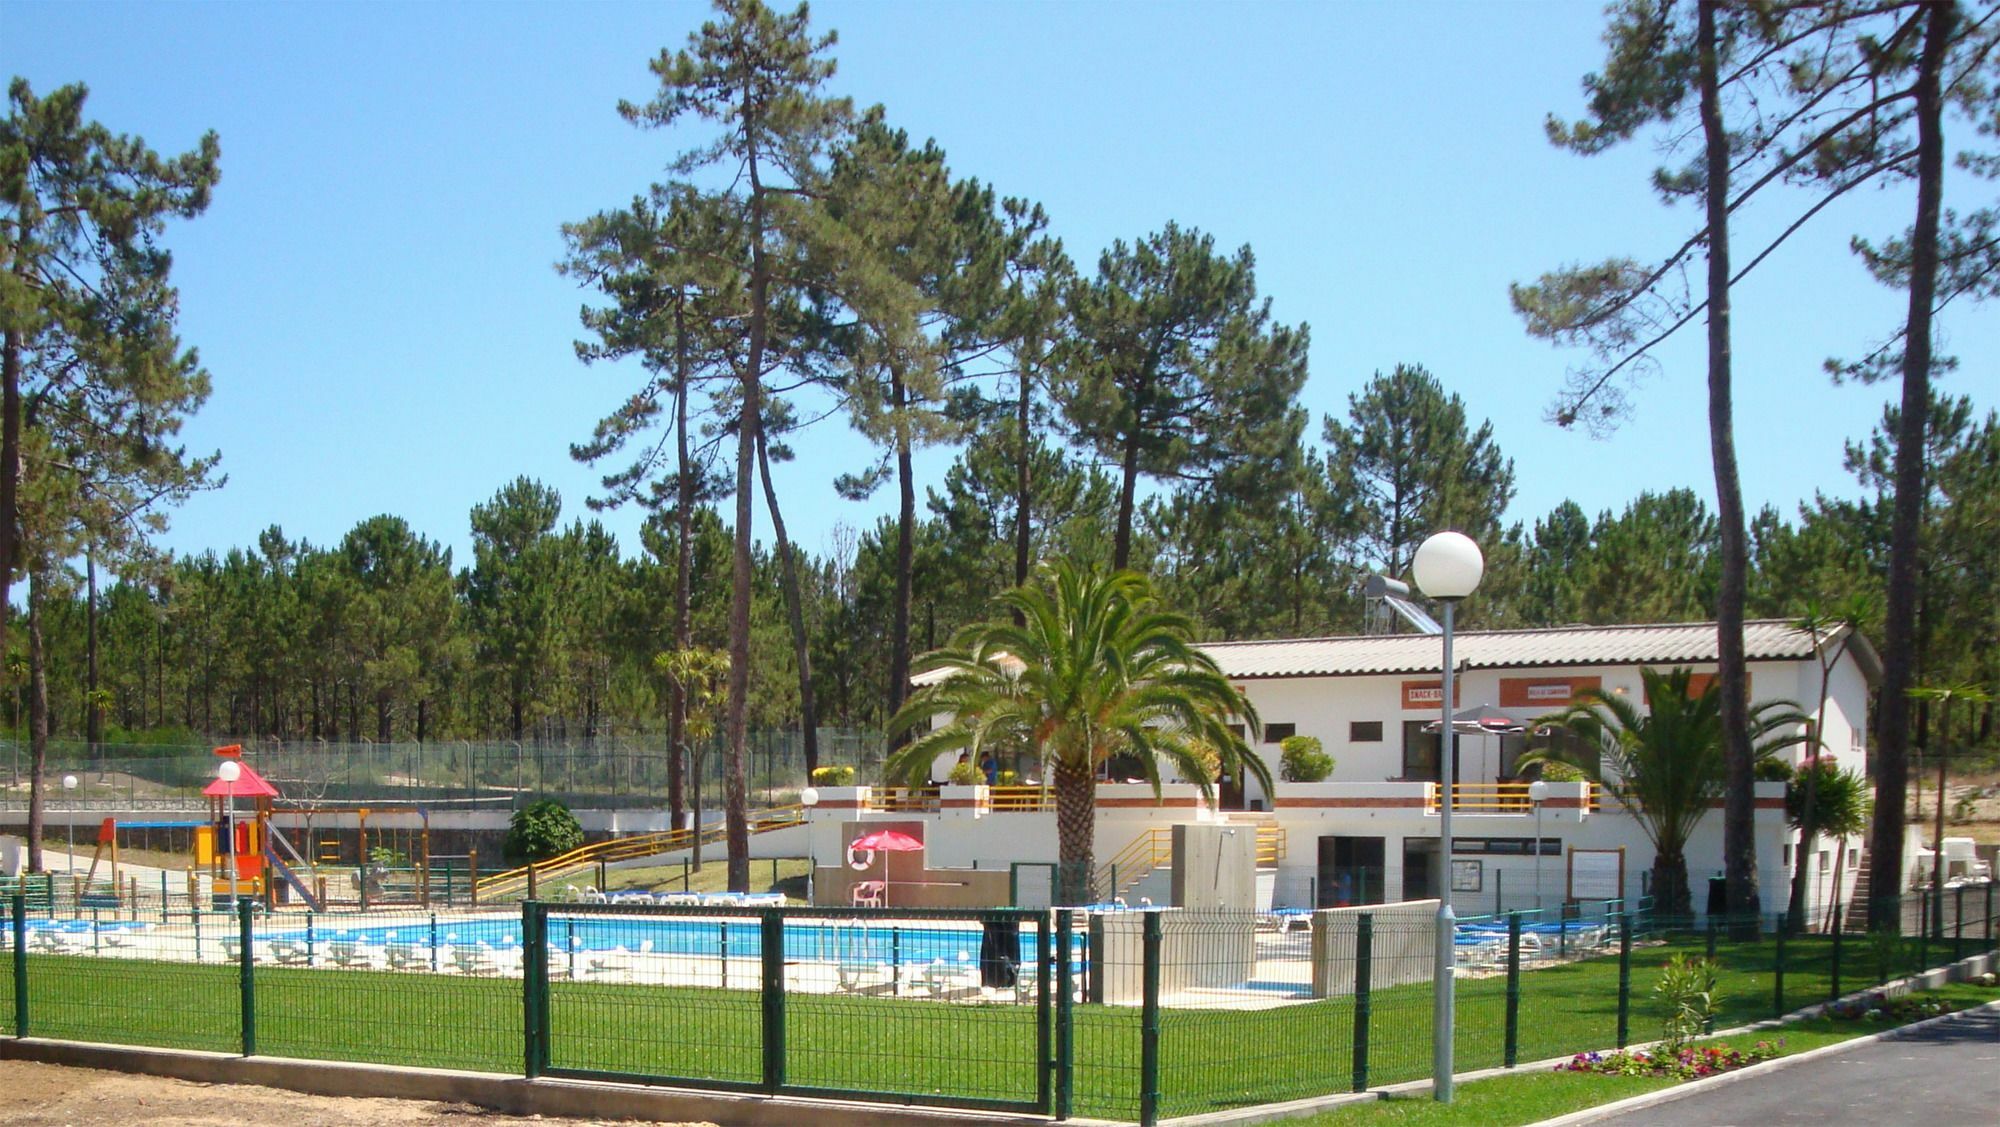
x=861 y=852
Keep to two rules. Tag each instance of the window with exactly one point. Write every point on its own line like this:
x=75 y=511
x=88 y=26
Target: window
x=1275 y=733
x=1235 y=730
x=1420 y=752
x=1364 y=732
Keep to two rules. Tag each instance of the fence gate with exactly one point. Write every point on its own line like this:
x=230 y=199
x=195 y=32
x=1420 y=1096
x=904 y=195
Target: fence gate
x=920 y=1006
x=1032 y=884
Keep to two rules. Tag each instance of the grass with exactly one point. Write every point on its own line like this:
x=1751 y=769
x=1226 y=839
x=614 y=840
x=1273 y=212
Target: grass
x=1211 y=1058
x=1505 y=1101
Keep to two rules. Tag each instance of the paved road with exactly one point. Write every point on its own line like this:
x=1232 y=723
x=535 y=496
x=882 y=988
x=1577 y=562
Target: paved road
x=1943 y=1076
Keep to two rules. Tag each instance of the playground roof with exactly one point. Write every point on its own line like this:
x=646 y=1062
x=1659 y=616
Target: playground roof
x=249 y=785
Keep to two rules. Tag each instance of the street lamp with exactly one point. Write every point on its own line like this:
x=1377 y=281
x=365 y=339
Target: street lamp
x=69 y=800
x=809 y=798
x=229 y=771
x=1538 y=791
x=1447 y=568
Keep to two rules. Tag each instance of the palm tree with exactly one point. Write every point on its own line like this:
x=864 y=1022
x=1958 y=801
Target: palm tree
x=1823 y=799
x=1665 y=765
x=1094 y=670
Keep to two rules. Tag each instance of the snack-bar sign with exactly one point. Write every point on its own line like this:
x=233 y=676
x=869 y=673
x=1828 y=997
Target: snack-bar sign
x=1425 y=694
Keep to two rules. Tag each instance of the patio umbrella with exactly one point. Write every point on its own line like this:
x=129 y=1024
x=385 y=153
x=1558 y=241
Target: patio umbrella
x=1480 y=720
x=884 y=841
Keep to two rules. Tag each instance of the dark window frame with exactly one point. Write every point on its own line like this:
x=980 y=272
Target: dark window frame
x=1279 y=732
x=1357 y=731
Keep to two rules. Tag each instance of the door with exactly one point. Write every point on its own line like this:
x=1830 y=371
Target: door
x=1351 y=871
x=1420 y=868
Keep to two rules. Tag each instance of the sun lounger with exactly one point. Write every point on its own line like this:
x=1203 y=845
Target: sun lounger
x=51 y=941
x=348 y=954
x=474 y=960
x=761 y=899
x=290 y=953
x=405 y=956
x=951 y=980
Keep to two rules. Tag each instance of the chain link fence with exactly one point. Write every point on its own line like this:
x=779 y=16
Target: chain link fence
x=1132 y=1014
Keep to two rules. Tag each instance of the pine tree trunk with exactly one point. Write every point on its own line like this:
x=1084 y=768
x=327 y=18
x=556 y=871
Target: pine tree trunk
x=1128 y=489
x=1892 y=744
x=735 y=791
x=38 y=724
x=1023 y=483
x=1076 y=824
x=93 y=711
x=684 y=484
x=788 y=575
x=906 y=526
x=1739 y=806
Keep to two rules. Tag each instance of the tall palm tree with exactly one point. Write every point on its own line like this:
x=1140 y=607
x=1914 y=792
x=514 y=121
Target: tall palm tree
x=1094 y=670
x=1664 y=765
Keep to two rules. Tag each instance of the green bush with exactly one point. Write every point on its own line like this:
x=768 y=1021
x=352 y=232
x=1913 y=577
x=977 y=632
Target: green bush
x=1556 y=772
x=965 y=774
x=1301 y=760
x=1772 y=770
x=836 y=776
x=1687 y=993
x=1008 y=778
x=542 y=830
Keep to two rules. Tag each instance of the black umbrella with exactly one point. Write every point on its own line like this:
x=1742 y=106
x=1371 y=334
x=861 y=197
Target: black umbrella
x=1480 y=720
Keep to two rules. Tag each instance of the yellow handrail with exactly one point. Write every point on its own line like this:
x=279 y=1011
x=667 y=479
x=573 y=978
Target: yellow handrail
x=902 y=800
x=1132 y=864
x=1511 y=798
x=630 y=847
x=1021 y=800
x=1270 y=844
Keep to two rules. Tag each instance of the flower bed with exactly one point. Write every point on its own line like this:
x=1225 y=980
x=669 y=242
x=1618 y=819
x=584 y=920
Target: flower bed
x=1877 y=1006
x=1687 y=1063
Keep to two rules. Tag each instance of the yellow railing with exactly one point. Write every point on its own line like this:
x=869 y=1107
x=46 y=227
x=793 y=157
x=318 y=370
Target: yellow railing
x=1151 y=849
x=630 y=847
x=902 y=800
x=1500 y=798
x=1021 y=800
x=1270 y=844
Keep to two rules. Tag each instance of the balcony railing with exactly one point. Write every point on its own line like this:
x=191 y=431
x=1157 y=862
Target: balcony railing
x=1502 y=798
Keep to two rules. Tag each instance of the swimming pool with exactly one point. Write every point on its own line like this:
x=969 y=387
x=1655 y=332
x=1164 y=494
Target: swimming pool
x=907 y=944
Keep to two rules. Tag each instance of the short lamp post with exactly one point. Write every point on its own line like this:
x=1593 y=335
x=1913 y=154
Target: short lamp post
x=1538 y=792
x=1447 y=568
x=69 y=800
x=229 y=771
x=809 y=798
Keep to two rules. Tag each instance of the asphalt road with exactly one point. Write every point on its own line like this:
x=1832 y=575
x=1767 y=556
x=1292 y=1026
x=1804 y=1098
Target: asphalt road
x=1944 y=1076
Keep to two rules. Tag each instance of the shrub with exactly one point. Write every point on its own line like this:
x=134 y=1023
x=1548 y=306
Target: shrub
x=1686 y=992
x=965 y=774
x=542 y=830
x=1557 y=772
x=1008 y=778
x=1772 y=769
x=835 y=776
x=1301 y=760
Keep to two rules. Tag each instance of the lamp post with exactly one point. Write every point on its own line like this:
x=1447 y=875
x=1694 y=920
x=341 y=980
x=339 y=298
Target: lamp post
x=229 y=771
x=809 y=798
x=1447 y=568
x=1538 y=791
x=69 y=800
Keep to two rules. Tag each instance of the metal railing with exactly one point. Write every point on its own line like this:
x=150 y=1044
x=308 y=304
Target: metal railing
x=516 y=881
x=1502 y=798
x=1021 y=799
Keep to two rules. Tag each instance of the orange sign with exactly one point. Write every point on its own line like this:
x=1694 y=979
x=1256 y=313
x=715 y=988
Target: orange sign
x=1543 y=692
x=1429 y=694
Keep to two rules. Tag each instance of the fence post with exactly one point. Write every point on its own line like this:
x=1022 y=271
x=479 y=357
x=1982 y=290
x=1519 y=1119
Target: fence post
x=1711 y=939
x=534 y=987
x=1513 y=987
x=772 y=990
x=246 y=975
x=1958 y=923
x=1044 y=1053
x=1624 y=976
x=20 y=927
x=310 y=960
x=1778 y=968
x=1989 y=914
x=434 y=942
x=1065 y=1014
x=1364 y=958
x=1924 y=910
x=1839 y=928
x=1149 y=1023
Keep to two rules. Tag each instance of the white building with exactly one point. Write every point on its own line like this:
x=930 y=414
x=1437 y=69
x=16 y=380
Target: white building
x=1370 y=832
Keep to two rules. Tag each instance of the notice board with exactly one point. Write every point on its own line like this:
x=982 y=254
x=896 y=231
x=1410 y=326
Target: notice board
x=1597 y=874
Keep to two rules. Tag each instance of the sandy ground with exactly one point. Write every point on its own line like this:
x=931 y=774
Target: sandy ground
x=50 y=1094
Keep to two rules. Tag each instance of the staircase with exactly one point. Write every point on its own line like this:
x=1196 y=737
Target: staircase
x=514 y=882
x=1855 y=919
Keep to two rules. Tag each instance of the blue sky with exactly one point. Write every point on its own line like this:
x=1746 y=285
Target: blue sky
x=373 y=287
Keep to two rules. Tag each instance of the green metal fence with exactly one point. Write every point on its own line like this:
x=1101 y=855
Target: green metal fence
x=1133 y=1015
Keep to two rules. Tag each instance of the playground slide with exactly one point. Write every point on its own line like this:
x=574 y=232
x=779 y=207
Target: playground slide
x=279 y=867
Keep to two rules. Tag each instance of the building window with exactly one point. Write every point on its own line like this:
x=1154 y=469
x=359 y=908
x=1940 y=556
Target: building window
x=1364 y=732
x=1420 y=752
x=1275 y=733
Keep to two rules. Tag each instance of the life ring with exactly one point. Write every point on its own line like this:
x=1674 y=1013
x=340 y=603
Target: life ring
x=860 y=860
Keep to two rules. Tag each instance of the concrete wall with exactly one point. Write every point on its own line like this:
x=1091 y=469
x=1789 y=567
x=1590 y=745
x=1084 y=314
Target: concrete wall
x=1215 y=868
x=1402 y=946
x=1197 y=949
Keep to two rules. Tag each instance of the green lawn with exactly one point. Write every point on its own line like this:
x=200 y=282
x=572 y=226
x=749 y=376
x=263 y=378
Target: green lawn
x=1210 y=1058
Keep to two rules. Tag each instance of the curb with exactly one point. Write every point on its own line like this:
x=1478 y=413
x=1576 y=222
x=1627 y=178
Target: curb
x=1688 y=1088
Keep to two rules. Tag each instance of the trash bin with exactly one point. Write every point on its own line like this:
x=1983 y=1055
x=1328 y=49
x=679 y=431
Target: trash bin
x=1718 y=897
x=999 y=951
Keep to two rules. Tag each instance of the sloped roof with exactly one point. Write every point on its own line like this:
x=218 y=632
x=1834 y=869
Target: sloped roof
x=249 y=785
x=1656 y=644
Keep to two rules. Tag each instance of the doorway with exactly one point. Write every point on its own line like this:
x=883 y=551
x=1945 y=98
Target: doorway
x=1420 y=868
x=1351 y=871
